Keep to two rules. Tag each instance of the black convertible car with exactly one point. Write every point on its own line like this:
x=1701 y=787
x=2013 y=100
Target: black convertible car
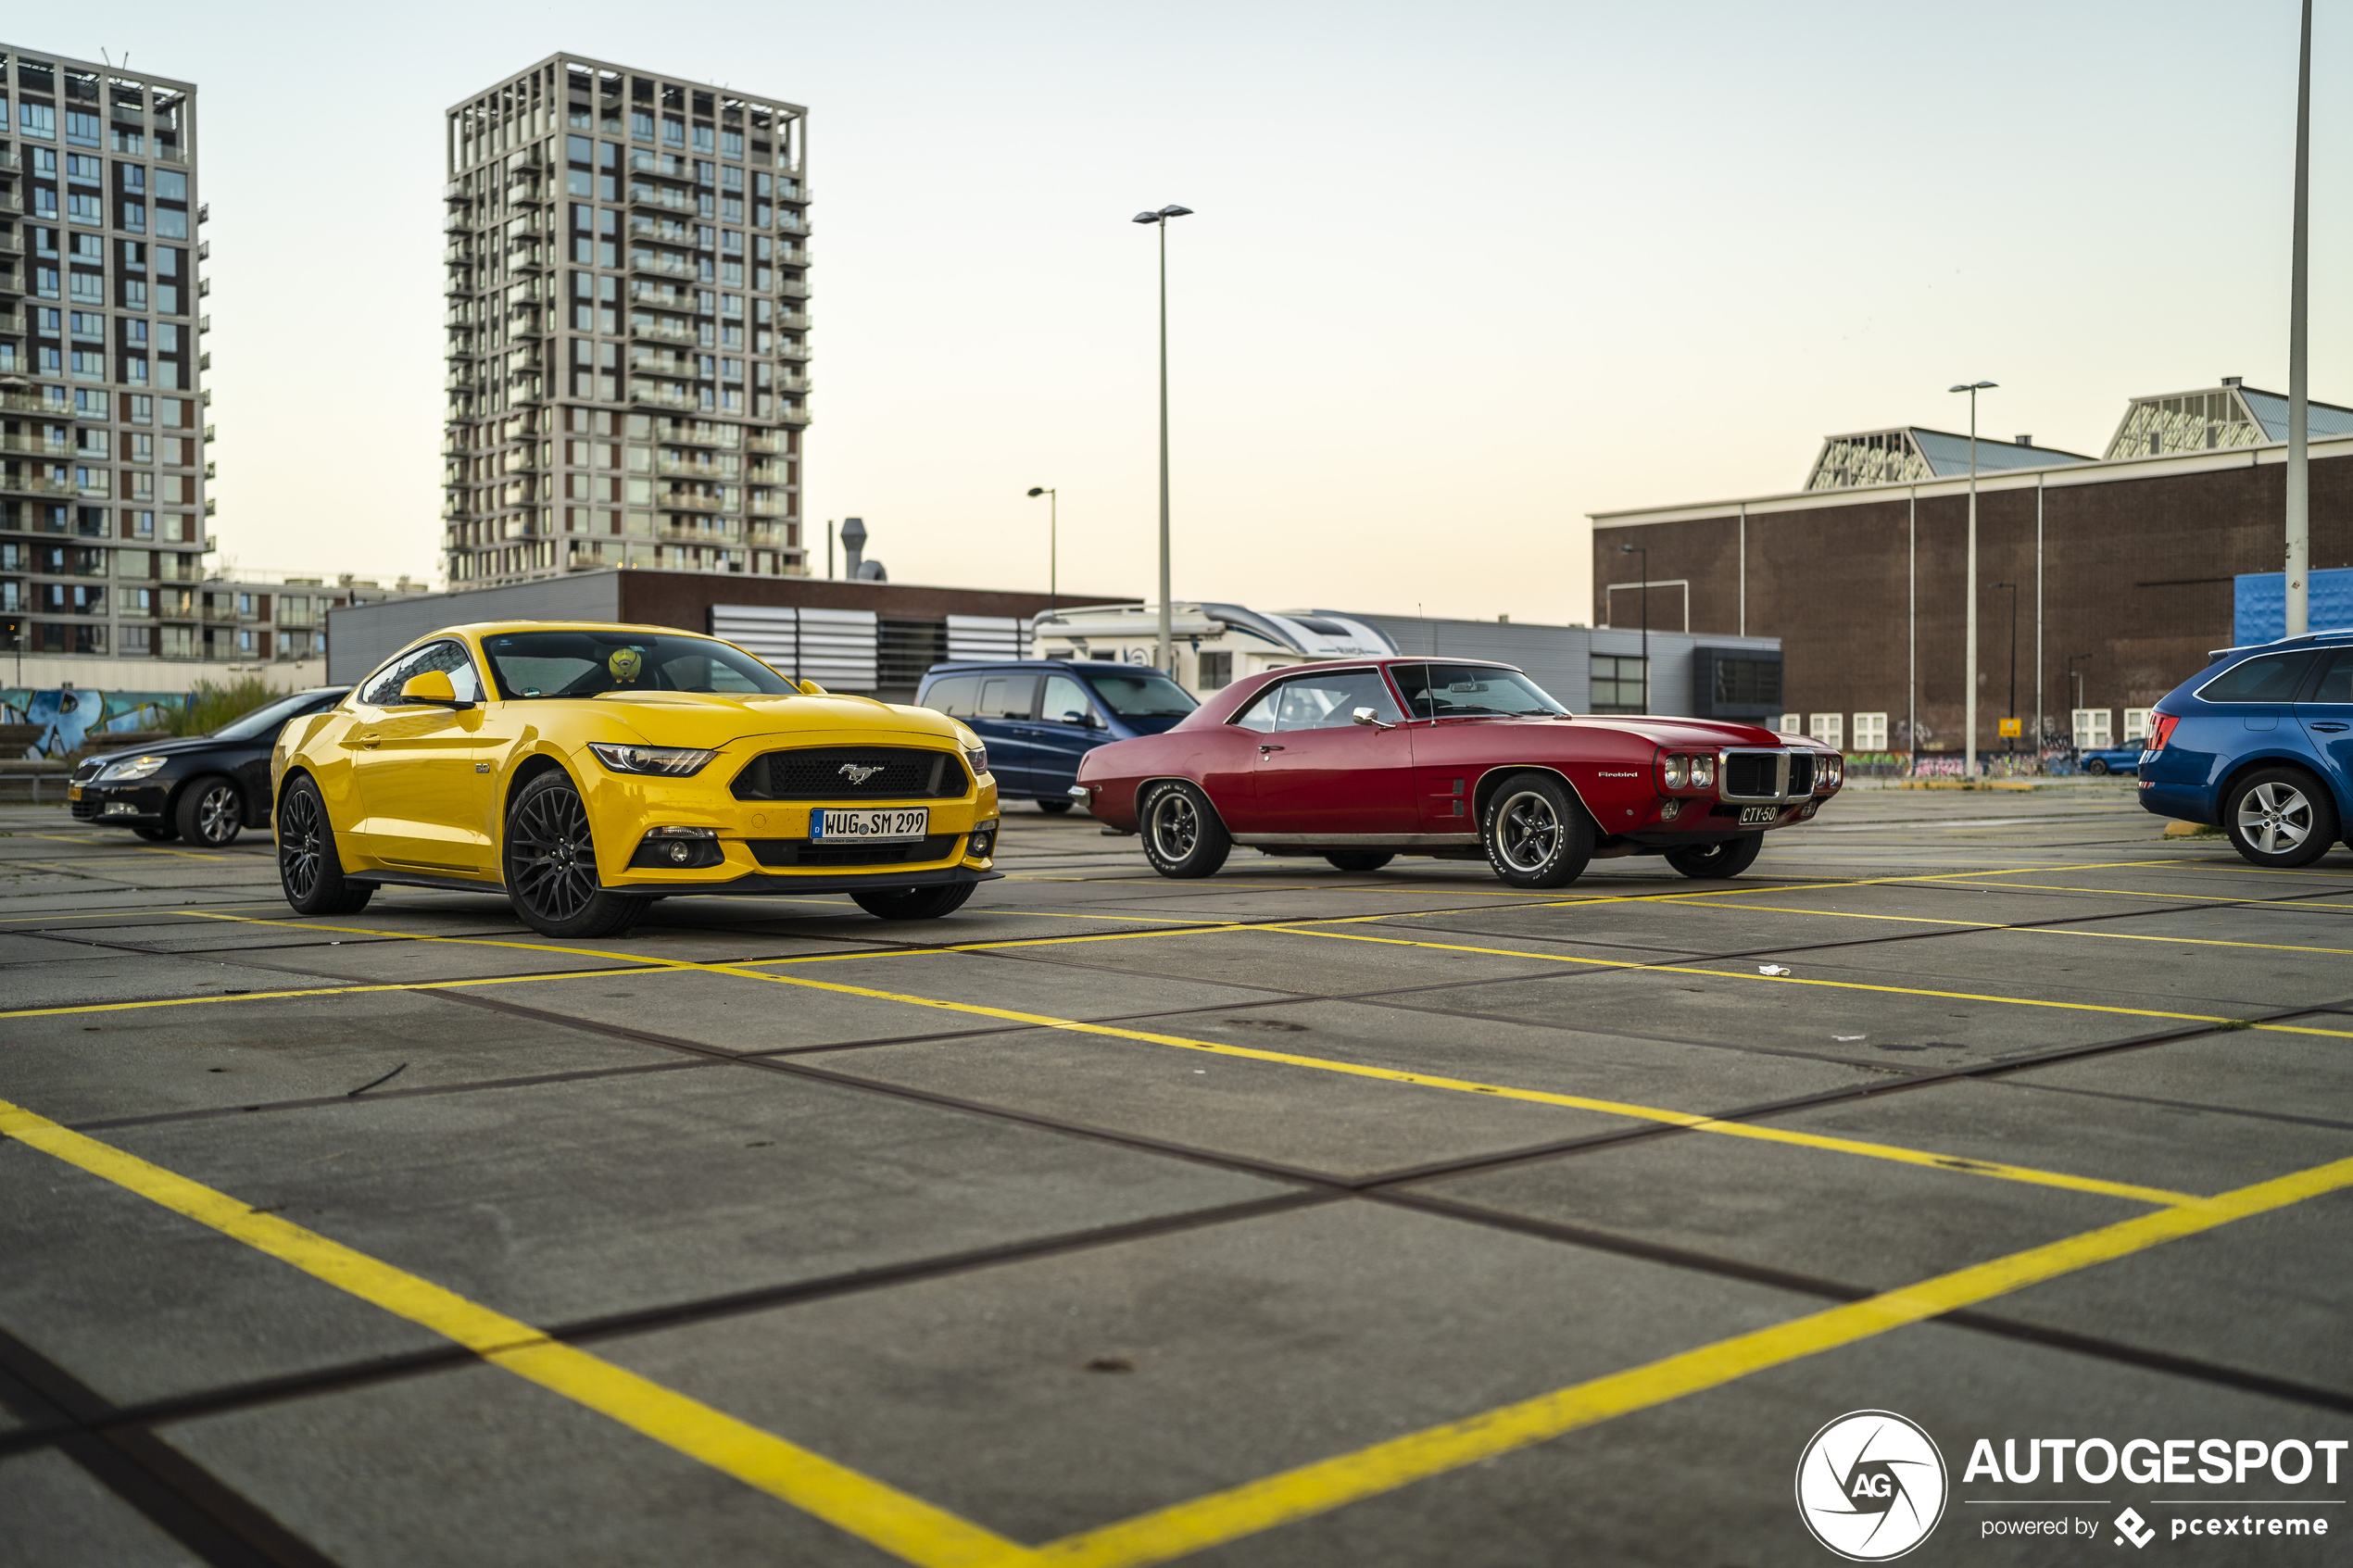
x=206 y=789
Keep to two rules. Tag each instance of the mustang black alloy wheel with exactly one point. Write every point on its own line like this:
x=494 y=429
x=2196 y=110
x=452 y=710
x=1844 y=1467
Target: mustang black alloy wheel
x=1183 y=837
x=1535 y=833
x=210 y=813
x=915 y=903
x=308 y=868
x=550 y=861
x=1728 y=857
x=2279 y=816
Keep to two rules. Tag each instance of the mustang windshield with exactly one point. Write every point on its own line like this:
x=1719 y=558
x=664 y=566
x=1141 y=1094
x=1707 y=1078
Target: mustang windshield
x=1470 y=691
x=549 y=664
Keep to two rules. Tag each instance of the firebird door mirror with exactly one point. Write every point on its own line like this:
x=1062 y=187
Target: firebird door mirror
x=432 y=689
x=1368 y=716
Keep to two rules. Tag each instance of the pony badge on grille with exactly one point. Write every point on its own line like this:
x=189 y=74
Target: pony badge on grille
x=858 y=772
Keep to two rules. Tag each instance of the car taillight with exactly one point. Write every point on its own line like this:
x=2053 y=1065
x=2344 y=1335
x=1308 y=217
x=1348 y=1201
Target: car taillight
x=2161 y=730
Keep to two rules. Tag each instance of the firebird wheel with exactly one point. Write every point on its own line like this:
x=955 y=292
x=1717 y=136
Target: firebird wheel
x=1182 y=835
x=309 y=869
x=1729 y=857
x=551 y=865
x=2279 y=816
x=1535 y=834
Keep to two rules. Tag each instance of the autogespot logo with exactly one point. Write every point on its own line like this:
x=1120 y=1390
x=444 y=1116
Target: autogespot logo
x=1870 y=1485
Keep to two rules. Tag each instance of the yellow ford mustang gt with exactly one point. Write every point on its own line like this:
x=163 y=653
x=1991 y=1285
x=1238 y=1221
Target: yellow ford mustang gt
x=589 y=768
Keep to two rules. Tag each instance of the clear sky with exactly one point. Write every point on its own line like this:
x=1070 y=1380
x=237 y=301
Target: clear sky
x=1458 y=275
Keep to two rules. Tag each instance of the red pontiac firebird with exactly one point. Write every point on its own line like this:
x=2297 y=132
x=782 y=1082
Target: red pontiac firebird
x=1360 y=762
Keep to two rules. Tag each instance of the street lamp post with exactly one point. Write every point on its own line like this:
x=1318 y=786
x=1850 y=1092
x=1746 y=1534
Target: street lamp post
x=1969 y=719
x=1643 y=551
x=1167 y=641
x=2013 y=589
x=2075 y=686
x=2299 y=496
x=1053 y=543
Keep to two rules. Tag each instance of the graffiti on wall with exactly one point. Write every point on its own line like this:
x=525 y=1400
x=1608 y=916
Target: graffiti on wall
x=65 y=718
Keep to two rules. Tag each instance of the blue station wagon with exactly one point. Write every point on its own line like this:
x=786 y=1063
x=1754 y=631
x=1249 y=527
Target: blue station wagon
x=1039 y=715
x=2259 y=743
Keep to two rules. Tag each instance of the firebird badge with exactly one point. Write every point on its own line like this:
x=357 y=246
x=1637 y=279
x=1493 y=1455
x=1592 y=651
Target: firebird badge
x=1607 y=775
x=858 y=772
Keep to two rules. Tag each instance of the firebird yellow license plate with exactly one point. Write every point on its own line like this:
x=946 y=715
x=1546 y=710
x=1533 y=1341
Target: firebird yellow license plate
x=870 y=827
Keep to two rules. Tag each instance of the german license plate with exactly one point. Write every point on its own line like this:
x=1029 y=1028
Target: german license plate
x=1752 y=815
x=870 y=827
x=73 y=792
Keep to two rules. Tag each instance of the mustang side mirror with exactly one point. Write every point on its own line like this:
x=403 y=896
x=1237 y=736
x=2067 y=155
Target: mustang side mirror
x=432 y=689
x=1367 y=716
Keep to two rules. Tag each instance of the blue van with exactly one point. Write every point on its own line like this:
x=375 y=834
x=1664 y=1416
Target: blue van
x=2259 y=743
x=1039 y=715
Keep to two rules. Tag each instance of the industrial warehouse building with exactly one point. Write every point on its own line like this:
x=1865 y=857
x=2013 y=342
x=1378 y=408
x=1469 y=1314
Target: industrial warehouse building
x=2123 y=569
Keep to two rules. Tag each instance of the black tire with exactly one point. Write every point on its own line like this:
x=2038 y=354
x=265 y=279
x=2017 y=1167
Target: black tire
x=1535 y=833
x=915 y=903
x=1054 y=808
x=1183 y=837
x=2279 y=816
x=1725 y=859
x=2097 y=765
x=211 y=811
x=309 y=868
x=157 y=834
x=1360 y=859
x=549 y=860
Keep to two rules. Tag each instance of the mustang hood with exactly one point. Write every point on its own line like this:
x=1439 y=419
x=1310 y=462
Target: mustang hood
x=713 y=718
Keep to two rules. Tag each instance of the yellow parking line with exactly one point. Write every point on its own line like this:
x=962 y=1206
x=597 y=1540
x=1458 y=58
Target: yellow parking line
x=930 y=1536
x=1805 y=980
x=1695 y=1123
x=2036 y=930
x=2189 y=898
x=866 y=1507
x=1311 y=1490
x=184 y=854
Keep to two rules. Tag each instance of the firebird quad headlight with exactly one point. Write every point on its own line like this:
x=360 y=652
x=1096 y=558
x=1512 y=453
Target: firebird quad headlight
x=1679 y=772
x=1834 y=769
x=664 y=761
x=1703 y=773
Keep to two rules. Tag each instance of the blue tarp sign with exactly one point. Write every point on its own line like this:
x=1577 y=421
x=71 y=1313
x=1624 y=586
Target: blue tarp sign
x=2259 y=610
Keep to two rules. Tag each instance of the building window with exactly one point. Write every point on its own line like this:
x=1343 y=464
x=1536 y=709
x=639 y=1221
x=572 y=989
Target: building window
x=1217 y=671
x=1871 y=732
x=2092 y=732
x=2136 y=723
x=1619 y=685
x=1827 y=728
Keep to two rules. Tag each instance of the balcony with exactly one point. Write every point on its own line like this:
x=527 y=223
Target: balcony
x=661 y=264
x=794 y=288
x=685 y=501
x=663 y=295
x=793 y=414
x=34 y=484
x=32 y=403
x=170 y=155
x=793 y=348
x=766 y=506
x=792 y=222
x=660 y=395
x=659 y=362
x=58 y=451
x=9 y=162
x=665 y=332
x=662 y=200
x=661 y=231
x=770 y=535
x=723 y=470
x=688 y=534
x=764 y=441
x=790 y=381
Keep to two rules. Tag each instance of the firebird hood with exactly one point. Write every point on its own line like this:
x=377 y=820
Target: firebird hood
x=713 y=718
x=1700 y=735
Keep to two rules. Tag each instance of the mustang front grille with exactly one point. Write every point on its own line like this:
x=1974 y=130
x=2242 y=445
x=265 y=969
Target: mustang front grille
x=859 y=772
x=800 y=852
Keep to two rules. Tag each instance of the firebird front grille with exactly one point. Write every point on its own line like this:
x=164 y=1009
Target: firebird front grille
x=1801 y=772
x=862 y=772
x=1752 y=775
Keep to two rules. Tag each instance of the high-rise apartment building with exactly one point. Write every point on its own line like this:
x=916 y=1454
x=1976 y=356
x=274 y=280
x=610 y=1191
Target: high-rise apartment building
x=103 y=509
x=628 y=315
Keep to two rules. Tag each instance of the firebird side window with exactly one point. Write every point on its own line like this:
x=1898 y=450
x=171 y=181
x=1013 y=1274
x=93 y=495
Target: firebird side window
x=384 y=690
x=1470 y=691
x=1329 y=700
x=1260 y=715
x=2271 y=679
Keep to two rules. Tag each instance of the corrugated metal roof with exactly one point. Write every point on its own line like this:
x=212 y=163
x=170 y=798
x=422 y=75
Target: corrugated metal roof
x=2320 y=419
x=1948 y=454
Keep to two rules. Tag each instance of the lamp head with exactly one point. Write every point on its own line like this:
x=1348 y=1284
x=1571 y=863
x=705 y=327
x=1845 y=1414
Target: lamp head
x=1628 y=549
x=1971 y=386
x=1035 y=491
x=1172 y=210
x=1145 y=218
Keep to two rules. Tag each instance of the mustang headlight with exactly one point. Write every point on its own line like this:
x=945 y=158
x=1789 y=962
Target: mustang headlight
x=1679 y=772
x=667 y=761
x=131 y=768
x=1703 y=773
x=977 y=758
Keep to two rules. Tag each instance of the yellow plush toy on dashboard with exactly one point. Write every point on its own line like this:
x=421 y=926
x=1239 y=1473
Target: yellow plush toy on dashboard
x=625 y=664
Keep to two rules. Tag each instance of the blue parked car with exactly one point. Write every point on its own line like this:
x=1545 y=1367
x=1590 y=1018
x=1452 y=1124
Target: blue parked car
x=2110 y=759
x=1039 y=715
x=2259 y=743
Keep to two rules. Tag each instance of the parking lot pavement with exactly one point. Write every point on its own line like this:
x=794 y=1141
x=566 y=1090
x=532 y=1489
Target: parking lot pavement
x=1287 y=1217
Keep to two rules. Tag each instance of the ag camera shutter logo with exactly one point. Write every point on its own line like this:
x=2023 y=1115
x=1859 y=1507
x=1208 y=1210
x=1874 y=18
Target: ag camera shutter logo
x=1871 y=1485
